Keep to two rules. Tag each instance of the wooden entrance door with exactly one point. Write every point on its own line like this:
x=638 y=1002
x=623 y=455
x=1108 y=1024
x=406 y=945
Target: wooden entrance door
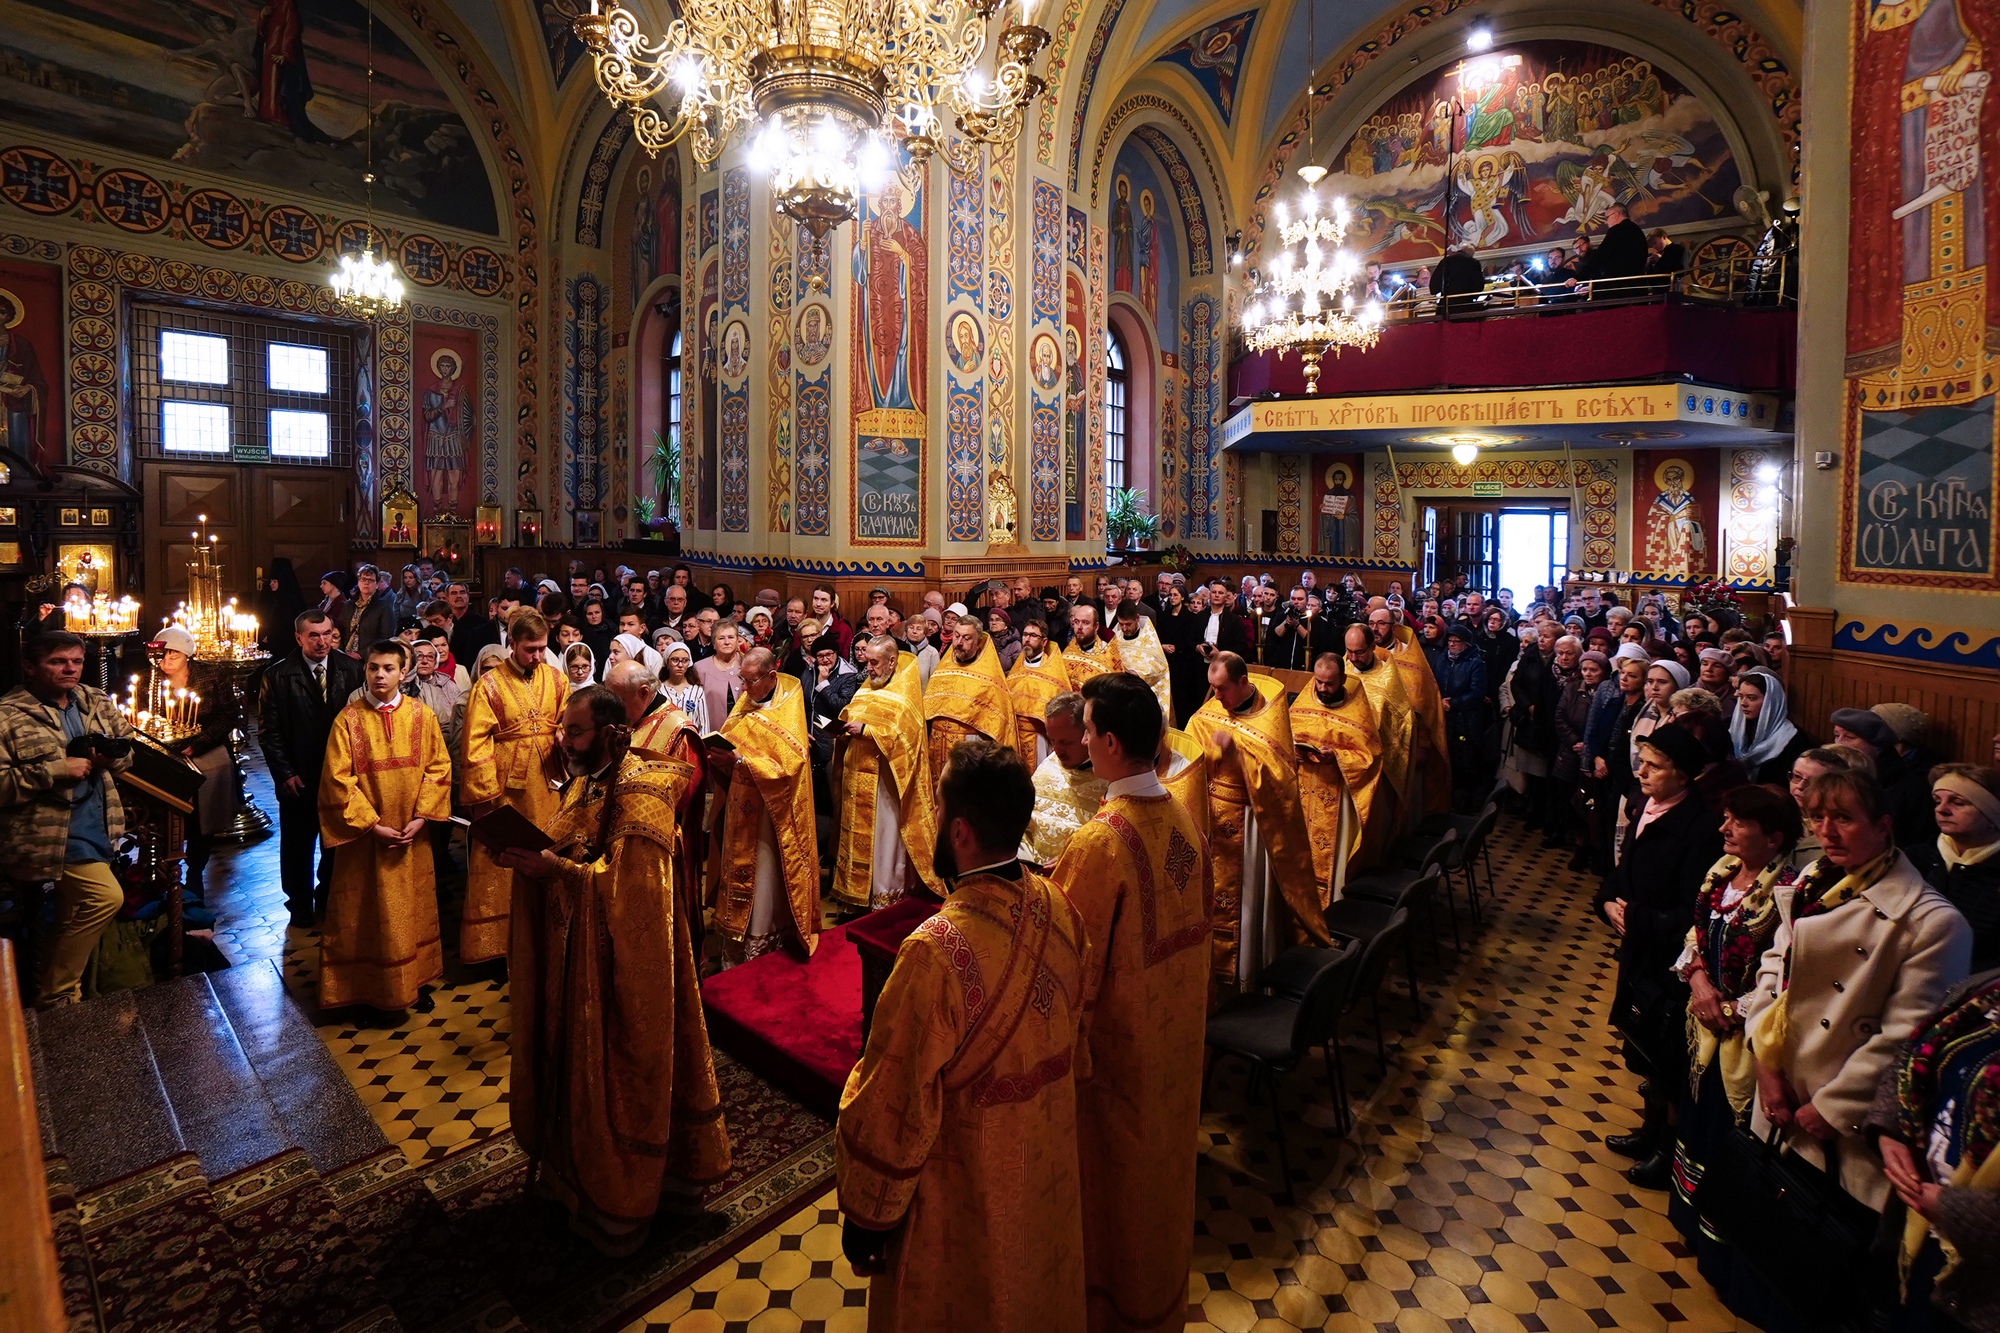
x=1462 y=538
x=255 y=512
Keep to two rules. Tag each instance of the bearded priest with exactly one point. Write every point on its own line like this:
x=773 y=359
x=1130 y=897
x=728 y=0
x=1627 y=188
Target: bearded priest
x=1039 y=675
x=1257 y=837
x=1067 y=790
x=882 y=782
x=967 y=695
x=1089 y=652
x=1139 y=875
x=956 y=1150
x=1340 y=761
x=767 y=889
x=614 y=1094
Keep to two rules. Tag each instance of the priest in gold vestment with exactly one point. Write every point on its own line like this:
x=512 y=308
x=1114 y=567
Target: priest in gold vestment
x=767 y=888
x=882 y=787
x=509 y=735
x=1340 y=761
x=1067 y=789
x=662 y=731
x=387 y=774
x=1257 y=835
x=613 y=1096
x=1430 y=753
x=1395 y=724
x=967 y=695
x=1139 y=875
x=956 y=1151
x=1089 y=651
x=1039 y=675
x=1137 y=644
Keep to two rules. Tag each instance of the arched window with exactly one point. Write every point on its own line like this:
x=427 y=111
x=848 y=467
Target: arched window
x=1117 y=429
x=670 y=413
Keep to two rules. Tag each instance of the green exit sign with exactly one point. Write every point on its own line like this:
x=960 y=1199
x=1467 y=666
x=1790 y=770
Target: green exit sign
x=1486 y=488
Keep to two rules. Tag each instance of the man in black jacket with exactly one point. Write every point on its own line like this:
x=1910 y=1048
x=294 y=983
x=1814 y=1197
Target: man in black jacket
x=371 y=616
x=295 y=711
x=1457 y=279
x=470 y=631
x=1621 y=254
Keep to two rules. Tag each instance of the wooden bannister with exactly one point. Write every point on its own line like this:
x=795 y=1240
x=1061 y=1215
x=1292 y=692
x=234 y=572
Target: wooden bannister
x=30 y=1292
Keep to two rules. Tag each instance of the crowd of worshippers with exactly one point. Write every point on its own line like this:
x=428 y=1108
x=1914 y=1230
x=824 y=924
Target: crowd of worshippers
x=1805 y=931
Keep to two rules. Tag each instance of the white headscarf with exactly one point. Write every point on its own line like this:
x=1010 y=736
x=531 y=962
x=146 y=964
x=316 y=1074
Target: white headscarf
x=1774 y=727
x=1673 y=669
x=640 y=651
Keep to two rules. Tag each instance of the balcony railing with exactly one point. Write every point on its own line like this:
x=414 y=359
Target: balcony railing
x=1737 y=280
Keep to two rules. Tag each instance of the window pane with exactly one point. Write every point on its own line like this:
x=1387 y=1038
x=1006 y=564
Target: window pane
x=296 y=369
x=298 y=434
x=193 y=358
x=194 y=428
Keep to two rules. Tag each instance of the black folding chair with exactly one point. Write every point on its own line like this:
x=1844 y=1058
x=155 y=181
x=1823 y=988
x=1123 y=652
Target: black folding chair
x=1273 y=1033
x=1365 y=912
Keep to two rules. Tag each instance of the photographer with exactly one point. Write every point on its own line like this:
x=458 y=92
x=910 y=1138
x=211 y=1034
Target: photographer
x=1299 y=633
x=58 y=739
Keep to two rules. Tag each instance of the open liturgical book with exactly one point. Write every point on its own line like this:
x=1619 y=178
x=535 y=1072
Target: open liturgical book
x=504 y=828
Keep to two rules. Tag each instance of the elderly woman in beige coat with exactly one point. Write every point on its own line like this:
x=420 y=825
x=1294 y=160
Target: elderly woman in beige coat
x=1863 y=952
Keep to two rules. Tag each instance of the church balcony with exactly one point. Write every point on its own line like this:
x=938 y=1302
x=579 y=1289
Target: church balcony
x=1522 y=338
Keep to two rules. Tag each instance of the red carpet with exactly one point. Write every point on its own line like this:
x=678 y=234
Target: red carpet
x=797 y=1025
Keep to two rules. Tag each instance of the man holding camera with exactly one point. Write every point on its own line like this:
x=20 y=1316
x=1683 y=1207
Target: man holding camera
x=58 y=739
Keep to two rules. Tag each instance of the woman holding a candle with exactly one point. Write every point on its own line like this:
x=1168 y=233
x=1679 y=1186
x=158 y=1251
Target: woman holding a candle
x=194 y=698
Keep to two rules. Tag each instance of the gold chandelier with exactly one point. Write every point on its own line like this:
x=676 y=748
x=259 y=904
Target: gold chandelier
x=1305 y=302
x=367 y=287
x=832 y=82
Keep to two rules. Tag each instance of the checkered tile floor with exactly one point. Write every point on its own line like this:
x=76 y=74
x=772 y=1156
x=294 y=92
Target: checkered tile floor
x=1474 y=1195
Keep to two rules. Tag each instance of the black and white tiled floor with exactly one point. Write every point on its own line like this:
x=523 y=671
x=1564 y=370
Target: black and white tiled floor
x=1474 y=1193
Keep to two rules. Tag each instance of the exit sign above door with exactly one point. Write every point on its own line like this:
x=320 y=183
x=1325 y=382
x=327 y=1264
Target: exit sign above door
x=1482 y=488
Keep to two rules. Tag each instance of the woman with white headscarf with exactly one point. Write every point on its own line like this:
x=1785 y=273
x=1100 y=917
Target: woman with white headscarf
x=679 y=687
x=1763 y=733
x=579 y=665
x=632 y=648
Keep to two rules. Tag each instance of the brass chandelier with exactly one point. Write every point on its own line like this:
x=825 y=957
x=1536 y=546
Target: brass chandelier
x=832 y=83
x=364 y=286
x=1304 y=301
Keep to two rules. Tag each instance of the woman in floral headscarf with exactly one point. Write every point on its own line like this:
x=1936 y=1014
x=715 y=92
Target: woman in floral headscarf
x=1735 y=916
x=1936 y=1121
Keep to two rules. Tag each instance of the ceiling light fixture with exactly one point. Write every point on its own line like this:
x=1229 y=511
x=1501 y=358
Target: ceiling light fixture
x=1306 y=302
x=1479 y=39
x=365 y=286
x=1464 y=454
x=833 y=84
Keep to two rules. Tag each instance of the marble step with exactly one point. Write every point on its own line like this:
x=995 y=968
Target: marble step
x=293 y=1245
x=428 y=1276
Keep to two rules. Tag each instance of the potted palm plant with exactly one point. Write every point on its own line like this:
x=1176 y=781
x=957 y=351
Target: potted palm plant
x=1128 y=524
x=665 y=464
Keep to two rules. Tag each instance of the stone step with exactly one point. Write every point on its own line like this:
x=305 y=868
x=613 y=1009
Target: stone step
x=293 y=1245
x=424 y=1269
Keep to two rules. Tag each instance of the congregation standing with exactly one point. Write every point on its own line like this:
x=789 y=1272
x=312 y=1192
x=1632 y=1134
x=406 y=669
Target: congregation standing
x=1126 y=816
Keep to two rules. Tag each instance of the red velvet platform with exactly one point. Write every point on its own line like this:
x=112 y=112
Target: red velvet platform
x=796 y=1025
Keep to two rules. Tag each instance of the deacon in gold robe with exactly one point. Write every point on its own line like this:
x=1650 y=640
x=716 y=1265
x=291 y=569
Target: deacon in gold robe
x=387 y=774
x=1340 y=761
x=1039 y=675
x=613 y=1096
x=1396 y=725
x=882 y=782
x=1137 y=644
x=1089 y=652
x=509 y=736
x=1139 y=875
x=1257 y=833
x=1183 y=770
x=1430 y=755
x=1067 y=790
x=956 y=1151
x=967 y=695
x=768 y=886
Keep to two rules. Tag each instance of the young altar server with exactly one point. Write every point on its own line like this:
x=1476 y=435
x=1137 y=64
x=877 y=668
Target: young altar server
x=614 y=1093
x=510 y=750
x=1139 y=874
x=387 y=773
x=956 y=1151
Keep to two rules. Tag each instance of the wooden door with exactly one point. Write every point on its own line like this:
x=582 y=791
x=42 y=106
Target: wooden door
x=255 y=512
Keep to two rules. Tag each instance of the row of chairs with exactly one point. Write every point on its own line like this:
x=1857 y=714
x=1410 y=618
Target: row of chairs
x=1307 y=993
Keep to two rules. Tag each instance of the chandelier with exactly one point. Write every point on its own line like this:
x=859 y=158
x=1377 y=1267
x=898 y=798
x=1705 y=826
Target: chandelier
x=833 y=83
x=365 y=286
x=1305 y=302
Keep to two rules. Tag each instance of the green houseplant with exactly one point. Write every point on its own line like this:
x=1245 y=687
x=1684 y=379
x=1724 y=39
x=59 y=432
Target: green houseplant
x=1128 y=525
x=665 y=463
